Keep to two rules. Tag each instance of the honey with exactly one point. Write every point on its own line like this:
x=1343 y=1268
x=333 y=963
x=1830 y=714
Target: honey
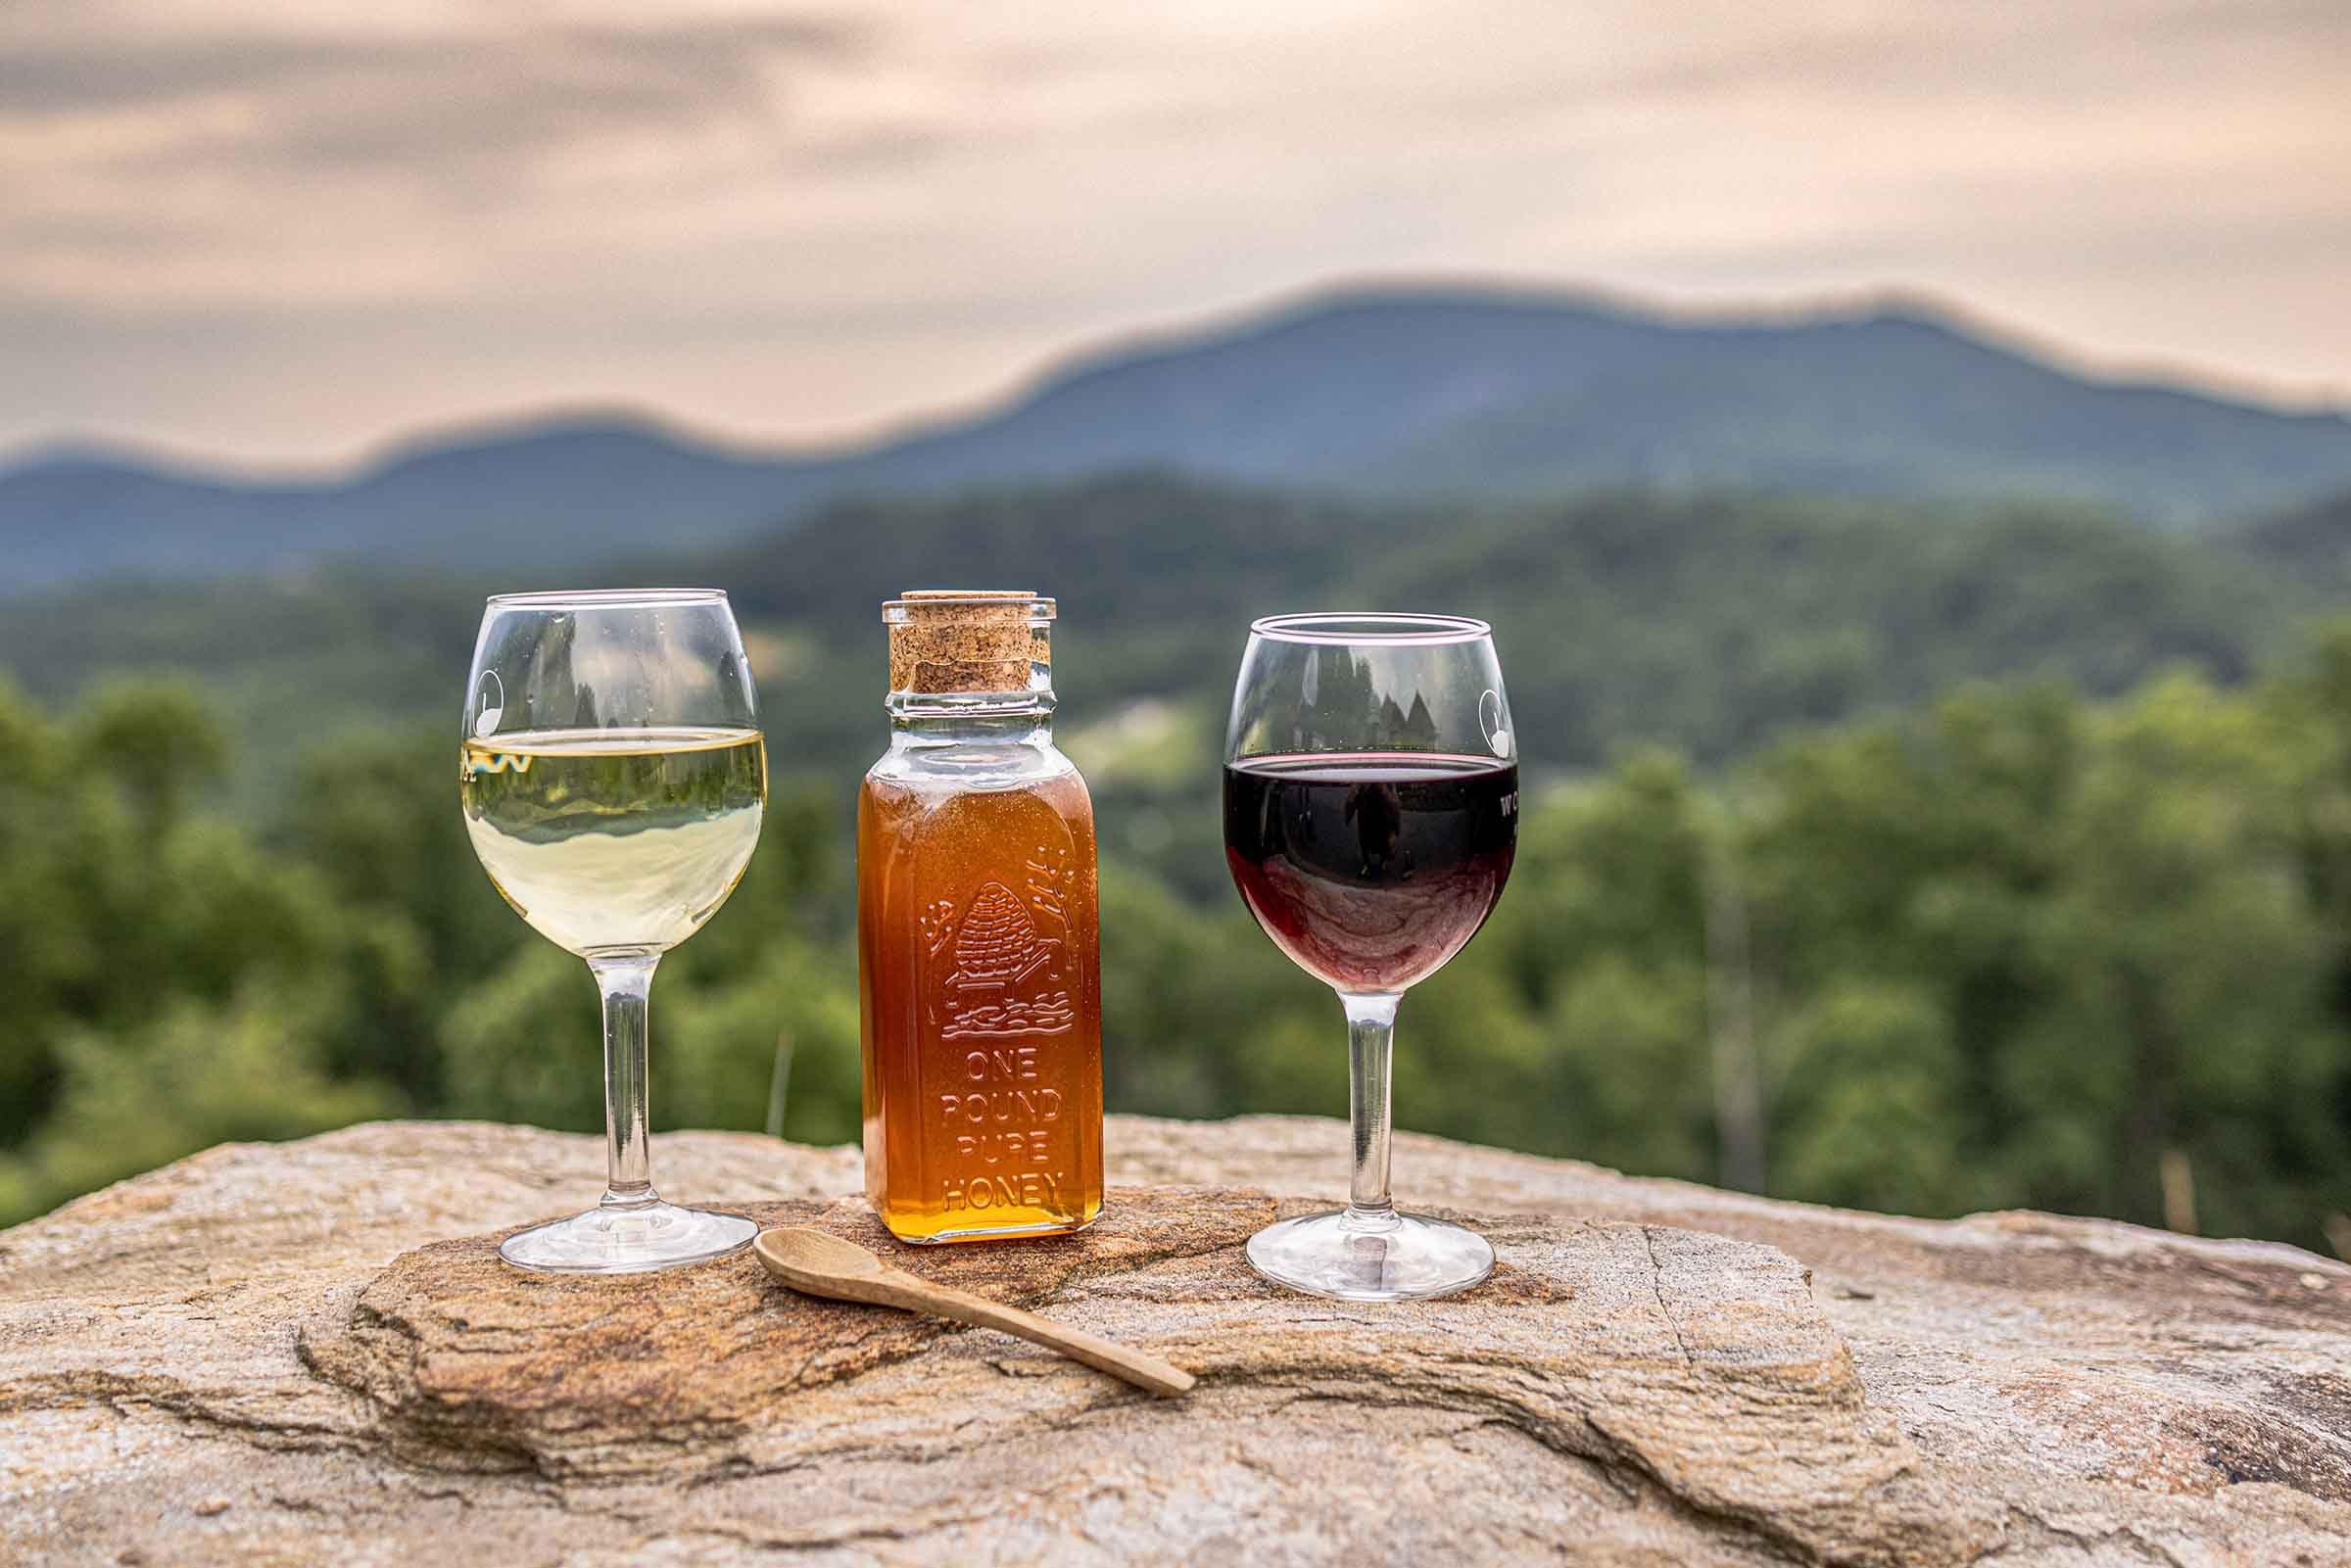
x=979 y=962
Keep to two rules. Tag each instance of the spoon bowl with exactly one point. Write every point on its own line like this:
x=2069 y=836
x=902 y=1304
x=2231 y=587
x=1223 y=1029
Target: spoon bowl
x=793 y=1253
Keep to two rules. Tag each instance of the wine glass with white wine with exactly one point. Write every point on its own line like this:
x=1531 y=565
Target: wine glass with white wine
x=614 y=774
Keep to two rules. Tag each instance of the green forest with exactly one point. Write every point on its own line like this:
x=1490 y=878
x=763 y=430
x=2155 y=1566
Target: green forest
x=1911 y=859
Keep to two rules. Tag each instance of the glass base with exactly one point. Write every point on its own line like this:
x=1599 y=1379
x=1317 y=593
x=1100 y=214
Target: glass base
x=628 y=1240
x=1384 y=1256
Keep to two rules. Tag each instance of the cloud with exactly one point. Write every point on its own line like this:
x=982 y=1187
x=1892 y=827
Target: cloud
x=154 y=168
x=586 y=66
x=417 y=107
x=793 y=215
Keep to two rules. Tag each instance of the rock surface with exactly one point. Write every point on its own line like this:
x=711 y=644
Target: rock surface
x=308 y=1353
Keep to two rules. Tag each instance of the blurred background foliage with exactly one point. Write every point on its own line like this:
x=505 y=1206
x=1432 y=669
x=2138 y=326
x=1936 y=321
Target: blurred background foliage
x=1926 y=860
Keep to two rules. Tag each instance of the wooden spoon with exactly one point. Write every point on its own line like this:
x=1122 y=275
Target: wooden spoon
x=822 y=1264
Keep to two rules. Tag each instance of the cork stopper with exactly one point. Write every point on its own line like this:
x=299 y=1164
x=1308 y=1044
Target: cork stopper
x=967 y=640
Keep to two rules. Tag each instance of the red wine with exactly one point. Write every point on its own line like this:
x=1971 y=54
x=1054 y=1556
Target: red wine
x=1371 y=869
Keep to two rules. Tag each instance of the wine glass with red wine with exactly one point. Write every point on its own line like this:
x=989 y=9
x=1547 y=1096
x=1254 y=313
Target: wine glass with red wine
x=1370 y=817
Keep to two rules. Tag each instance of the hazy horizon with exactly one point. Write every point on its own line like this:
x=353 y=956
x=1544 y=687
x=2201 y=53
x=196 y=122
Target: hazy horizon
x=255 y=236
x=493 y=423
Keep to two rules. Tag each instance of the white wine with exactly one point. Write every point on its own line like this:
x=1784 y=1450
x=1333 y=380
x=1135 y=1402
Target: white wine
x=615 y=844
x=615 y=839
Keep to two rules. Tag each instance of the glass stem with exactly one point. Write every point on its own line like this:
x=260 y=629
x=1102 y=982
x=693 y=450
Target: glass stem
x=1370 y=1034
x=626 y=981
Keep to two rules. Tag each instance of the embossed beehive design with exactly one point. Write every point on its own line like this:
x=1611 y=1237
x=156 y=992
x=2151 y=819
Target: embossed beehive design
x=1008 y=976
x=1000 y=937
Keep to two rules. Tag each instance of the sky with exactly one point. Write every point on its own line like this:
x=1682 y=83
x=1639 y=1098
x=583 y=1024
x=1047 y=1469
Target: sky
x=284 y=234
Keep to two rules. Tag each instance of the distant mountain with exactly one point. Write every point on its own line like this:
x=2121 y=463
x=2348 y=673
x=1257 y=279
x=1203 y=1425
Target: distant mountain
x=559 y=492
x=1370 y=392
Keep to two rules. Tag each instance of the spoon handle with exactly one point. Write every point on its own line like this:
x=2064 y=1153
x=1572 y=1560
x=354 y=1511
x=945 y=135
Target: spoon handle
x=897 y=1289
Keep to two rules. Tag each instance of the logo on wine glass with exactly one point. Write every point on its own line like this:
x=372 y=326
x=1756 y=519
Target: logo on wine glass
x=1490 y=719
x=490 y=702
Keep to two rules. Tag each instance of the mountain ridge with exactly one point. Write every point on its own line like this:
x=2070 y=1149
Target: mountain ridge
x=1371 y=390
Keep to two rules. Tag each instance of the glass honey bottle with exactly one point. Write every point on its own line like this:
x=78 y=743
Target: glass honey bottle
x=979 y=966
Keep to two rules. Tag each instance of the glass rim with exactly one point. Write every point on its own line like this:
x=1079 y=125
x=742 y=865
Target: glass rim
x=606 y=598
x=1371 y=626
